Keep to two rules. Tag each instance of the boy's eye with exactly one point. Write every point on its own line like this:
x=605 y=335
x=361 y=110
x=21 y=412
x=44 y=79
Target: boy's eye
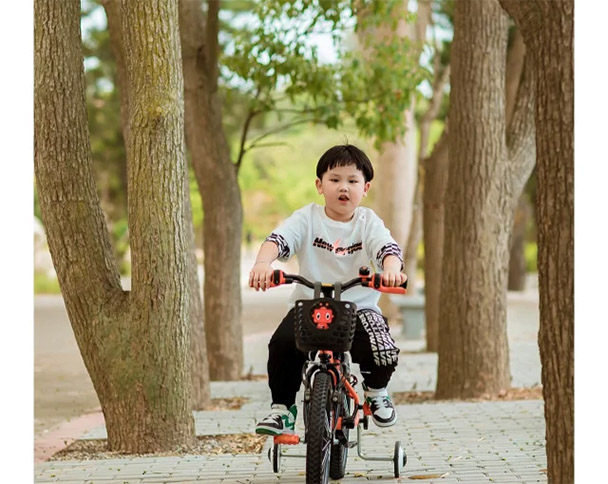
x=354 y=181
x=333 y=179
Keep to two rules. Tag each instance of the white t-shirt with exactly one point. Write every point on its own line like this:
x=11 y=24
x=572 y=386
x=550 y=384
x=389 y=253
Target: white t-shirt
x=330 y=251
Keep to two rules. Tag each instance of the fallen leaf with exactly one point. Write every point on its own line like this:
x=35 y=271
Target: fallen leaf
x=359 y=474
x=429 y=476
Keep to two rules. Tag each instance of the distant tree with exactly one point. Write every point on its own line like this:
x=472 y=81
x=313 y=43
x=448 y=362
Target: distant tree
x=548 y=29
x=397 y=164
x=517 y=259
x=490 y=161
x=216 y=176
x=132 y=343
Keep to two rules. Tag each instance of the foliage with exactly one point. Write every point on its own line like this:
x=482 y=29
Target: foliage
x=530 y=256
x=273 y=59
x=44 y=284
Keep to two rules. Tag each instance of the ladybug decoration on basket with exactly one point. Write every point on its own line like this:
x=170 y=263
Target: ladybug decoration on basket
x=322 y=315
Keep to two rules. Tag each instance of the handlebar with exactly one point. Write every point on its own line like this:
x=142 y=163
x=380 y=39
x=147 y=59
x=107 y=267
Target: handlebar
x=365 y=279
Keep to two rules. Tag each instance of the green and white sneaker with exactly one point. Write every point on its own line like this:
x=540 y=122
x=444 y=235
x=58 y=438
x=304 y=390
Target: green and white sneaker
x=383 y=410
x=280 y=421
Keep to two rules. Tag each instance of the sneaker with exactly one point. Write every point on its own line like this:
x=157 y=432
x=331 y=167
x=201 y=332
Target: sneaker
x=280 y=421
x=383 y=411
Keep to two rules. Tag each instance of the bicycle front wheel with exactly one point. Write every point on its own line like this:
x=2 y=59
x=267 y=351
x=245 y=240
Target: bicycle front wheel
x=318 y=431
x=339 y=451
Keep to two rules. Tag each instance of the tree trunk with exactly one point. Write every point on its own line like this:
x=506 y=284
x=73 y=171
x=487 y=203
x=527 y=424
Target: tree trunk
x=201 y=395
x=435 y=184
x=488 y=169
x=517 y=259
x=131 y=343
x=414 y=235
x=397 y=168
x=201 y=391
x=217 y=180
x=548 y=28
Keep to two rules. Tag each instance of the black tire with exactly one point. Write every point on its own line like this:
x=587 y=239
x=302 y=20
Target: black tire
x=339 y=452
x=318 y=431
x=276 y=458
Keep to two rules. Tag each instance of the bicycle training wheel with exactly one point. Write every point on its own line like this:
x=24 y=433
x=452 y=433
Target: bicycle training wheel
x=318 y=431
x=339 y=452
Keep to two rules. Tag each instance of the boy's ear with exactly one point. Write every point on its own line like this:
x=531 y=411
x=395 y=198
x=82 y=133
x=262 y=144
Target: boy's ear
x=366 y=188
x=318 y=185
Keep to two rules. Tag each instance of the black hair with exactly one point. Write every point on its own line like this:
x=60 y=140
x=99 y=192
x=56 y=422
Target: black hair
x=345 y=155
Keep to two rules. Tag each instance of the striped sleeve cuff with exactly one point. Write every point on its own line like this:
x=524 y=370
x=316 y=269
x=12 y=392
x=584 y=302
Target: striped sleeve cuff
x=389 y=249
x=281 y=243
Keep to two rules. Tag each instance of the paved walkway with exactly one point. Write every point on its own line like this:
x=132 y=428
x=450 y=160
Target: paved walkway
x=466 y=442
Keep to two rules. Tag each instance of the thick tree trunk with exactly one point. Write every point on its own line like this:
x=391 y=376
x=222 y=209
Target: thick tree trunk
x=517 y=259
x=132 y=344
x=547 y=27
x=217 y=180
x=486 y=176
x=435 y=184
x=201 y=395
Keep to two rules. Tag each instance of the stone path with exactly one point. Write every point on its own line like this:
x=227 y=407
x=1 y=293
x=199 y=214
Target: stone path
x=446 y=442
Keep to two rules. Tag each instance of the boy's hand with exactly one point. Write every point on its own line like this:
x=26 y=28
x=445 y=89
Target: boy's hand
x=260 y=276
x=392 y=278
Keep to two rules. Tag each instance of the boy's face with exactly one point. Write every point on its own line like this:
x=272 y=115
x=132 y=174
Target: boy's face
x=343 y=187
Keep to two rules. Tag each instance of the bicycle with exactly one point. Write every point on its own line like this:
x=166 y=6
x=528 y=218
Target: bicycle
x=324 y=330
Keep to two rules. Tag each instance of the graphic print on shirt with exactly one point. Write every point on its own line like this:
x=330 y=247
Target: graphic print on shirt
x=336 y=248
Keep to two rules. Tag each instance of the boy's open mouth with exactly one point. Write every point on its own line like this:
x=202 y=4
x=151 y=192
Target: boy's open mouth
x=343 y=198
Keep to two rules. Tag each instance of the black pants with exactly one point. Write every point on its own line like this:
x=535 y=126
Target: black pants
x=373 y=349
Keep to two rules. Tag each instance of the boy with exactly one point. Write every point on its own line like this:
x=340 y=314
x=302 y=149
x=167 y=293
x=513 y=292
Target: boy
x=332 y=242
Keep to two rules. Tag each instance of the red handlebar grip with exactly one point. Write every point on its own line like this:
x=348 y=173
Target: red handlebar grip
x=278 y=278
x=376 y=283
x=393 y=290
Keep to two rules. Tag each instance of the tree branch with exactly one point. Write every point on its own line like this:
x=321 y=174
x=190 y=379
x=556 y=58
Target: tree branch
x=440 y=146
x=242 y=150
x=515 y=64
x=212 y=43
x=277 y=130
x=521 y=142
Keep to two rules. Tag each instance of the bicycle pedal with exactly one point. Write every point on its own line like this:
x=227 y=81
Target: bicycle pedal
x=287 y=439
x=352 y=443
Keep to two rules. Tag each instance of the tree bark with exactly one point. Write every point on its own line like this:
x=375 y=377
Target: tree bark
x=489 y=165
x=201 y=394
x=217 y=180
x=435 y=184
x=547 y=28
x=132 y=343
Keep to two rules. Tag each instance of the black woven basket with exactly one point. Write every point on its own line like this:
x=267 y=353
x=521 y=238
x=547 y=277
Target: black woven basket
x=324 y=324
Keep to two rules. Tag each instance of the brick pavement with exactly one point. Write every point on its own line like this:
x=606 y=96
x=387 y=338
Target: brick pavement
x=465 y=442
